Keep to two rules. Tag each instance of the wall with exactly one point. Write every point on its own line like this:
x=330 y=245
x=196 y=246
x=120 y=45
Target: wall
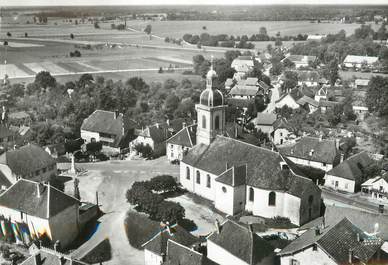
x=64 y=226
x=343 y=184
x=309 y=257
x=174 y=151
x=230 y=200
x=287 y=100
x=206 y=135
x=279 y=135
x=221 y=256
x=310 y=210
x=264 y=128
x=151 y=258
x=310 y=163
x=7 y=173
x=87 y=136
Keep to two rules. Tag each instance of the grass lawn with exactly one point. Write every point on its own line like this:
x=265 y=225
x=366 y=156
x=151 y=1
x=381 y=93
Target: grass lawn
x=139 y=228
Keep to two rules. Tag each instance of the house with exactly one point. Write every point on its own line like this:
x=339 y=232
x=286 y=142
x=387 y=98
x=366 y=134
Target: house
x=313 y=152
x=19 y=118
x=360 y=108
x=22 y=134
x=156 y=135
x=179 y=254
x=354 y=61
x=229 y=83
x=361 y=84
x=235 y=244
x=56 y=150
x=264 y=122
x=308 y=78
x=316 y=37
x=238 y=176
x=283 y=132
x=301 y=60
x=321 y=94
x=251 y=81
x=308 y=103
x=155 y=249
x=113 y=129
x=28 y=162
x=325 y=105
x=243 y=65
x=7 y=138
x=376 y=187
x=348 y=175
x=178 y=144
x=288 y=100
x=244 y=92
x=46 y=256
x=342 y=243
x=32 y=210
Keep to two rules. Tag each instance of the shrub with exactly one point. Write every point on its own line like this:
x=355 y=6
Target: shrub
x=163 y=183
x=76 y=53
x=145 y=150
x=170 y=212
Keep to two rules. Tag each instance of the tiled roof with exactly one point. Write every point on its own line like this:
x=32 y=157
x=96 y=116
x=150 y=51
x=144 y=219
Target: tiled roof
x=301 y=58
x=234 y=176
x=353 y=167
x=244 y=90
x=26 y=159
x=158 y=244
x=265 y=119
x=251 y=81
x=5 y=132
x=185 y=137
x=282 y=123
x=263 y=165
x=178 y=254
x=23 y=196
x=307 y=100
x=324 y=151
x=308 y=76
x=50 y=257
x=160 y=132
x=241 y=242
x=360 y=59
x=337 y=241
x=240 y=102
x=329 y=104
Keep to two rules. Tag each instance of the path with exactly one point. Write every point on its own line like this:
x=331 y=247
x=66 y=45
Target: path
x=275 y=95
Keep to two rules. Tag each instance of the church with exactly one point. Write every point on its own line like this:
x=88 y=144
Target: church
x=238 y=176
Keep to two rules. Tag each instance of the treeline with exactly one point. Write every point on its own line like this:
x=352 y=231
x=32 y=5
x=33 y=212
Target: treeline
x=222 y=40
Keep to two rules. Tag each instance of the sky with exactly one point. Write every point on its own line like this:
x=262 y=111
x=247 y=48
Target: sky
x=184 y=2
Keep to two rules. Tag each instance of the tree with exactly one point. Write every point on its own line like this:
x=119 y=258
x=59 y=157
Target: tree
x=171 y=212
x=93 y=148
x=44 y=80
x=148 y=29
x=71 y=36
x=377 y=95
x=331 y=73
x=288 y=63
x=171 y=104
x=276 y=68
x=9 y=34
x=231 y=55
x=263 y=31
x=291 y=80
x=73 y=145
x=96 y=25
x=163 y=183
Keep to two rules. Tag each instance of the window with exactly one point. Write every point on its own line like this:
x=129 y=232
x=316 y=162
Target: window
x=208 y=181
x=198 y=177
x=324 y=164
x=346 y=185
x=187 y=173
x=21 y=216
x=171 y=146
x=223 y=189
x=203 y=122
x=172 y=154
x=272 y=198
x=294 y=262
x=315 y=247
x=251 y=194
x=217 y=123
x=281 y=134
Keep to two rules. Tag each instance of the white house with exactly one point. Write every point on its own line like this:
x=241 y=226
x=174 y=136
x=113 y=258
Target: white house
x=358 y=61
x=313 y=152
x=301 y=60
x=287 y=100
x=321 y=94
x=28 y=162
x=316 y=37
x=283 y=132
x=308 y=78
x=242 y=65
x=376 y=187
x=235 y=244
x=244 y=91
x=308 y=103
x=264 y=122
x=348 y=175
x=238 y=176
x=155 y=249
x=178 y=144
x=32 y=210
x=361 y=83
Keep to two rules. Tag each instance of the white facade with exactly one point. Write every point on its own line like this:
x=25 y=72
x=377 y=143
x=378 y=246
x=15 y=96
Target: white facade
x=175 y=152
x=222 y=256
x=308 y=83
x=230 y=200
x=309 y=163
x=377 y=188
x=308 y=256
x=360 y=111
x=282 y=136
x=287 y=100
x=211 y=121
x=89 y=136
x=150 y=258
x=338 y=183
x=42 y=174
x=264 y=128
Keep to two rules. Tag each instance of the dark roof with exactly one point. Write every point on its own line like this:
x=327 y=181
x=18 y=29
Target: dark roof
x=185 y=137
x=50 y=257
x=160 y=132
x=178 y=254
x=57 y=148
x=353 y=167
x=263 y=165
x=5 y=132
x=26 y=159
x=308 y=76
x=336 y=241
x=23 y=196
x=234 y=176
x=240 y=102
x=103 y=121
x=264 y=86
x=324 y=151
x=282 y=123
x=265 y=118
x=241 y=242
x=158 y=244
x=244 y=90
x=327 y=103
x=307 y=100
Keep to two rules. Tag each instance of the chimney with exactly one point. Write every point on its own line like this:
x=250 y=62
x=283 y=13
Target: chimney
x=62 y=260
x=38 y=190
x=311 y=152
x=358 y=237
x=116 y=114
x=342 y=158
x=37 y=259
x=350 y=256
x=337 y=143
x=184 y=124
x=320 y=137
x=317 y=231
x=218 y=228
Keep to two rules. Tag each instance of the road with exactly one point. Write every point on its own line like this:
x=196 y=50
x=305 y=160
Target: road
x=274 y=97
x=112 y=179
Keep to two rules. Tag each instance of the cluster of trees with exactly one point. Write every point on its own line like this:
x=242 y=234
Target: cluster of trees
x=76 y=53
x=148 y=198
x=222 y=40
x=173 y=40
x=377 y=95
x=145 y=150
x=118 y=27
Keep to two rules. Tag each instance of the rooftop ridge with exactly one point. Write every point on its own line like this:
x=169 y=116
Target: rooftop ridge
x=258 y=147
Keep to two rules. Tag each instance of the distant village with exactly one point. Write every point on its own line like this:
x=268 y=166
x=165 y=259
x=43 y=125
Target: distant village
x=279 y=151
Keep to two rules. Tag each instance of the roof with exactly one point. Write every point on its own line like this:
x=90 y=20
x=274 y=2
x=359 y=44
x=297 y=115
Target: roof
x=360 y=59
x=337 y=240
x=265 y=119
x=307 y=100
x=282 y=123
x=18 y=115
x=26 y=159
x=51 y=257
x=240 y=102
x=106 y=122
x=251 y=81
x=5 y=132
x=178 y=254
x=353 y=167
x=308 y=76
x=185 y=137
x=263 y=165
x=263 y=85
x=244 y=90
x=361 y=82
x=160 y=132
x=4 y=181
x=158 y=243
x=229 y=82
x=324 y=151
x=301 y=59
x=23 y=196
x=327 y=103
x=241 y=242
x=234 y=176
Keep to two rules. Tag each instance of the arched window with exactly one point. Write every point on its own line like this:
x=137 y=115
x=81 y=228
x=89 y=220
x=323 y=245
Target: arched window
x=217 y=123
x=251 y=194
x=187 y=173
x=203 y=122
x=198 y=177
x=272 y=198
x=208 y=181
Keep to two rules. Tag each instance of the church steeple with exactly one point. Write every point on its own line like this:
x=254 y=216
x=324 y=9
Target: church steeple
x=210 y=110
